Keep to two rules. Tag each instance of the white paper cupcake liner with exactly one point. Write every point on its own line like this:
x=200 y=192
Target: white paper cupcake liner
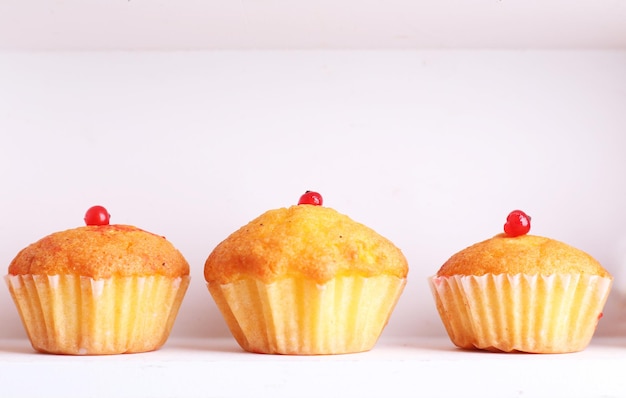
x=70 y=314
x=299 y=316
x=529 y=313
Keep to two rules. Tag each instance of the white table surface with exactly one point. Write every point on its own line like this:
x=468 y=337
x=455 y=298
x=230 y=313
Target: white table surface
x=396 y=367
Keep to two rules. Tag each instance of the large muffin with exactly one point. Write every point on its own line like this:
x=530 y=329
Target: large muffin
x=98 y=289
x=521 y=293
x=306 y=280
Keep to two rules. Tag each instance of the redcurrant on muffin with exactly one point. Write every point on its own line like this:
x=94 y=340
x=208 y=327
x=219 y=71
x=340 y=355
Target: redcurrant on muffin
x=98 y=289
x=306 y=280
x=520 y=292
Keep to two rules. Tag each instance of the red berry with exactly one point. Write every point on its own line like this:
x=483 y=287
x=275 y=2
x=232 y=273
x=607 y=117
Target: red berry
x=517 y=223
x=310 y=198
x=97 y=215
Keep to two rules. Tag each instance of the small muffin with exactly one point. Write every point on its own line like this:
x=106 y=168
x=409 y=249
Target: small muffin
x=98 y=289
x=519 y=292
x=306 y=280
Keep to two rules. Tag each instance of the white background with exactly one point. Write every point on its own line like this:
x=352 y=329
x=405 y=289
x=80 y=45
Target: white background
x=190 y=120
x=289 y=24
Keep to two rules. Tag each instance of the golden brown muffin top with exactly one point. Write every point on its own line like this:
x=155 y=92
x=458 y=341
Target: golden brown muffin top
x=305 y=240
x=101 y=252
x=528 y=254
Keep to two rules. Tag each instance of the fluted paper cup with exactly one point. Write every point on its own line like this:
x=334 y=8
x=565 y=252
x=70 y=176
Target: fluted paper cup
x=528 y=313
x=301 y=317
x=70 y=314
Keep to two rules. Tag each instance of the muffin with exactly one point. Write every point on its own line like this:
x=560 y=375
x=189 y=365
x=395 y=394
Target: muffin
x=98 y=289
x=306 y=280
x=521 y=293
